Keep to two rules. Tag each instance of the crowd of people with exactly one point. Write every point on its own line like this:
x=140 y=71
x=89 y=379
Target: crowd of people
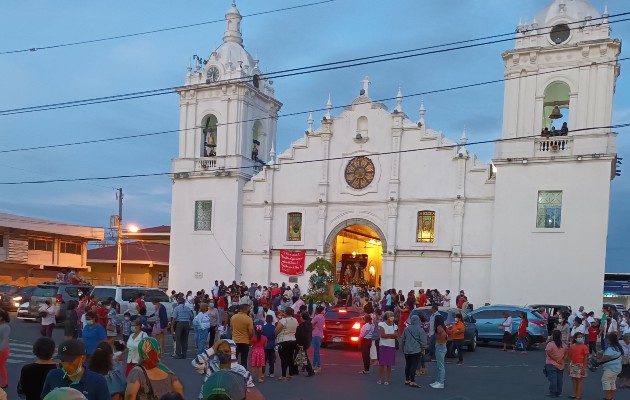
x=242 y=330
x=574 y=341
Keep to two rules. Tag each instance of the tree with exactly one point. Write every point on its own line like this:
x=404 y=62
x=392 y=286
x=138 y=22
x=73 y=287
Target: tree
x=320 y=280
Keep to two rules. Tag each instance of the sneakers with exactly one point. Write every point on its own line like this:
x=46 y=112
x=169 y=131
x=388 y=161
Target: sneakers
x=271 y=375
x=437 y=385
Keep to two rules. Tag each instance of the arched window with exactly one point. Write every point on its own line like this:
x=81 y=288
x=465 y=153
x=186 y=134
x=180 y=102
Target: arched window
x=426 y=227
x=556 y=106
x=209 y=136
x=362 y=128
x=256 y=141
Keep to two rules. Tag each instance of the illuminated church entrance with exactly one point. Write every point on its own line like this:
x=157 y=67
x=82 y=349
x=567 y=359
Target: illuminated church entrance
x=357 y=254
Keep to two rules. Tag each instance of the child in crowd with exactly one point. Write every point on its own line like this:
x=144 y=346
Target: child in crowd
x=269 y=330
x=593 y=334
x=258 y=342
x=578 y=357
x=126 y=326
x=120 y=356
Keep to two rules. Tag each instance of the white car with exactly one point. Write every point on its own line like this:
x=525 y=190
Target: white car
x=122 y=294
x=23 y=313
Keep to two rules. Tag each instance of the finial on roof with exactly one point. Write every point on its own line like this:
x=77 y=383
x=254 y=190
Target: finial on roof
x=328 y=108
x=605 y=14
x=399 y=98
x=233 y=26
x=366 y=85
x=310 y=122
x=272 y=155
x=422 y=111
x=464 y=139
x=562 y=6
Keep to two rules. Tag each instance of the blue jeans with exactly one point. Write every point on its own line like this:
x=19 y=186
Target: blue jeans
x=201 y=337
x=554 y=375
x=440 y=353
x=317 y=343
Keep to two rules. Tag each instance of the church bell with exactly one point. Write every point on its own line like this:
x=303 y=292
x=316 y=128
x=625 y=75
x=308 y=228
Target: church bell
x=555 y=113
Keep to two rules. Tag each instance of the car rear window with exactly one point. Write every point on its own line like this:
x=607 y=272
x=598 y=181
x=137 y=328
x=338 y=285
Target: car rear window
x=341 y=315
x=103 y=293
x=151 y=295
x=77 y=291
x=8 y=288
x=537 y=315
x=45 y=291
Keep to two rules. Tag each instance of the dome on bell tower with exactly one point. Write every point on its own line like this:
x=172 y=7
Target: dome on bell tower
x=231 y=54
x=571 y=10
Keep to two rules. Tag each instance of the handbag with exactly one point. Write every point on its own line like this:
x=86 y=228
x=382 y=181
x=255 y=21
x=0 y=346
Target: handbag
x=151 y=395
x=300 y=359
x=373 y=352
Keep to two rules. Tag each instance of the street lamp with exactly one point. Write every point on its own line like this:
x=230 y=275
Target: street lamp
x=133 y=229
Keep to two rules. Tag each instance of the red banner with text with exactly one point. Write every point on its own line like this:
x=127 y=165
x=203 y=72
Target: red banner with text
x=292 y=262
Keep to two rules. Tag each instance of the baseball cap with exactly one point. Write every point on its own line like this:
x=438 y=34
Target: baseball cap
x=64 y=393
x=70 y=350
x=224 y=383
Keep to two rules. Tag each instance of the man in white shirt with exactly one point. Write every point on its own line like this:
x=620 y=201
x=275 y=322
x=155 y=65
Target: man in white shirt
x=215 y=290
x=296 y=306
x=447 y=298
x=506 y=325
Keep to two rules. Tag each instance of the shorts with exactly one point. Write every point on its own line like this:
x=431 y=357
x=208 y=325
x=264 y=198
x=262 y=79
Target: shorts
x=608 y=380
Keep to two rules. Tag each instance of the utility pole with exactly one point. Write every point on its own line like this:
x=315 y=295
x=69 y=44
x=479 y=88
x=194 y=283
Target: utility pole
x=119 y=195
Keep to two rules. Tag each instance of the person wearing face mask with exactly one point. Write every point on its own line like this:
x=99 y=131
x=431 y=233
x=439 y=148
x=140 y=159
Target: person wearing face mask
x=151 y=379
x=564 y=328
x=387 y=351
x=74 y=374
x=578 y=356
x=126 y=326
x=213 y=316
x=137 y=334
x=93 y=333
x=458 y=330
x=221 y=357
x=47 y=314
x=160 y=325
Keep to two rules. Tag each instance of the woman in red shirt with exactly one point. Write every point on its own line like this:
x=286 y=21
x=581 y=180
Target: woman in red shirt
x=522 y=334
x=578 y=356
x=422 y=300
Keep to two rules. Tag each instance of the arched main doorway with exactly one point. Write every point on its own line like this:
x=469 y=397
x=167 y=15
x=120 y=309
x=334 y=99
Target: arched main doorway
x=356 y=247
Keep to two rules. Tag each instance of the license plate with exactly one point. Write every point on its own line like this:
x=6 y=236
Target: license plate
x=337 y=340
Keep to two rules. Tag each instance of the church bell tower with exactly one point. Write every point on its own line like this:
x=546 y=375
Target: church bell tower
x=228 y=116
x=557 y=157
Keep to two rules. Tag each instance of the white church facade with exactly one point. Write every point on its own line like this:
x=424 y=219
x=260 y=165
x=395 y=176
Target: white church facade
x=391 y=201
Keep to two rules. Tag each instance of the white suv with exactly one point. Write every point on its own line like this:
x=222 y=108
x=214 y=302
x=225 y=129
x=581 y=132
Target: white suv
x=122 y=294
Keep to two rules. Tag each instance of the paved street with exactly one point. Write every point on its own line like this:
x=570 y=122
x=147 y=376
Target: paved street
x=488 y=373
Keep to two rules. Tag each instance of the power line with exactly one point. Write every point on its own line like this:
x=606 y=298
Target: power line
x=172 y=28
x=290 y=72
x=441 y=147
x=435 y=91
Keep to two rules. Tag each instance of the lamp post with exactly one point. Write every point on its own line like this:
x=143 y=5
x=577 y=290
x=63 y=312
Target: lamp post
x=119 y=195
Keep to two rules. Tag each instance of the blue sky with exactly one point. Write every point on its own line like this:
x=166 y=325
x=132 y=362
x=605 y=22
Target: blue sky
x=329 y=32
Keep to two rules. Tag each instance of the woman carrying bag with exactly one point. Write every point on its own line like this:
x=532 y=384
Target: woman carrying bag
x=367 y=331
x=285 y=333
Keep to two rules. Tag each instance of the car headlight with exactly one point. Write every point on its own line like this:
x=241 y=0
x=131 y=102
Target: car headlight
x=17 y=298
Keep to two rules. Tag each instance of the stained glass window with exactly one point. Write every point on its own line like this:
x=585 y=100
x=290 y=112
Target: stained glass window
x=549 y=209
x=294 y=227
x=203 y=215
x=426 y=227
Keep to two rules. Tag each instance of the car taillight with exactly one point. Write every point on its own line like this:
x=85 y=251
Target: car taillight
x=357 y=325
x=539 y=323
x=342 y=311
x=354 y=339
x=59 y=298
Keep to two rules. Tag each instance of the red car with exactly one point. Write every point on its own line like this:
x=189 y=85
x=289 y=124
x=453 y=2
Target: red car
x=342 y=325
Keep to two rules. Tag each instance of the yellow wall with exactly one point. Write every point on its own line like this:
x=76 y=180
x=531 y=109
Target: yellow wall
x=132 y=274
x=17 y=274
x=346 y=245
